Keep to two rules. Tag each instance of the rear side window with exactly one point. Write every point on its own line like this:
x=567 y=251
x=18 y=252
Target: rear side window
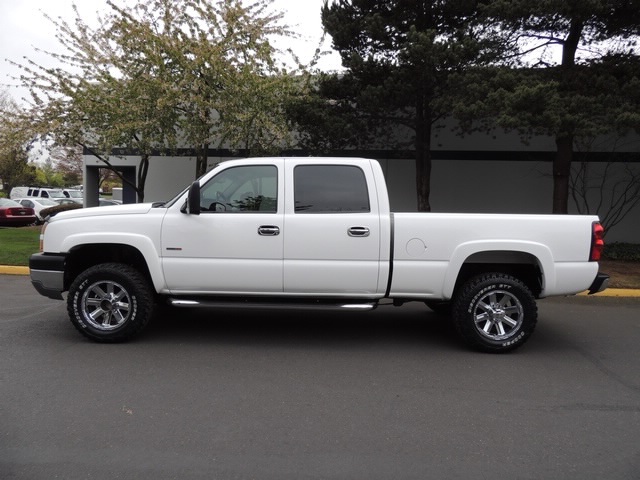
x=330 y=189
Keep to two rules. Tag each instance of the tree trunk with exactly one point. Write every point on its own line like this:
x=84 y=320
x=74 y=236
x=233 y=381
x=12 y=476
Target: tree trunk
x=143 y=168
x=423 y=156
x=423 y=180
x=561 y=172
x=564 y=141
x=202 y=160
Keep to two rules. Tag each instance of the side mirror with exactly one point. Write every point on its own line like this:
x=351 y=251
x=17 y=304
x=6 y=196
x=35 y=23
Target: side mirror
x=193 y=199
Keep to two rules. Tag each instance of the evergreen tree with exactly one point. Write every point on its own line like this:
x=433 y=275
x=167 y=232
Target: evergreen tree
x=399 y=57
x=581 y=57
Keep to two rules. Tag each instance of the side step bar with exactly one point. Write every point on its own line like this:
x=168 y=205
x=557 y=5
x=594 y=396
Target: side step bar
x=263 y=305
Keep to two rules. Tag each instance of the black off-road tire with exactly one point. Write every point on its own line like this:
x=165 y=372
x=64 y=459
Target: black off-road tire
x=110 y=302
x=495 y=312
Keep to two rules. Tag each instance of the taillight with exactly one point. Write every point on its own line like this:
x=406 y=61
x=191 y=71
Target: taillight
x=597 y=242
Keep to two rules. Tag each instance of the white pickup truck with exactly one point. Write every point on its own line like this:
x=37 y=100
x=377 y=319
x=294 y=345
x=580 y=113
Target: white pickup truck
x=300 y=232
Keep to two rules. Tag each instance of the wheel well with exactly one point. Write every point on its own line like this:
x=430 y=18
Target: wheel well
x=520 y=265
x=82 y=257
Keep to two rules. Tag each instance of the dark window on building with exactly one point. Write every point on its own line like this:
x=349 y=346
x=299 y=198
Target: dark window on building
x=330 y=189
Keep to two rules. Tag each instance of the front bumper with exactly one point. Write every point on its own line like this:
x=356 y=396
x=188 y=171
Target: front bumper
x=47 y=274
x=600 y=283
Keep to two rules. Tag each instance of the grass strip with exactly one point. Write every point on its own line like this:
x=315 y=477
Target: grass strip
x=17 y=244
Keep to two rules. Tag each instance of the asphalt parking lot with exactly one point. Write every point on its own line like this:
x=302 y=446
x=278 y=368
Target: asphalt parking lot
x=229 y=394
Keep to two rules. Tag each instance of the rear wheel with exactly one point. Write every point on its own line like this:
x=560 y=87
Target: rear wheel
x=110 y=302
x=495 y=312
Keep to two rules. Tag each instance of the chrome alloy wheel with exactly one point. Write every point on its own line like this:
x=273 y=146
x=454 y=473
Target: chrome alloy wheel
x=106 y=305
x=498 y=315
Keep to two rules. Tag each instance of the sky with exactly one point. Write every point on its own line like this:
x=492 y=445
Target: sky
x=23 y=28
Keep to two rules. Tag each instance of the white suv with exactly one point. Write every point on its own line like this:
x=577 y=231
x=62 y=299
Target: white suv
x=41 y=192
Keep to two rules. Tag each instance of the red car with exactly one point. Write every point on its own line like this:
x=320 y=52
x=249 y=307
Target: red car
x=14 y=214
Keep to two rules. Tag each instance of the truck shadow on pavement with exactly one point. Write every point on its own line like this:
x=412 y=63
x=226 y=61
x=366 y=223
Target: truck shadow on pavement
x=414 y=326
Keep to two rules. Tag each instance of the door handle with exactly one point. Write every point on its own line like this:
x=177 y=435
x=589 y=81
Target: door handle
x=358 y=232
x=268 y=230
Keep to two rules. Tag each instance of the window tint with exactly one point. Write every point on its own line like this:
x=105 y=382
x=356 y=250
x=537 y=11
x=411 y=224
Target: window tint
x=330 y=189
x=252 y=188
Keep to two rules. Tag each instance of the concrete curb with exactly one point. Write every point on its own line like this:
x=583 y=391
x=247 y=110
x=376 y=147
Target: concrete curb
x=609 y=292
x=12 y=270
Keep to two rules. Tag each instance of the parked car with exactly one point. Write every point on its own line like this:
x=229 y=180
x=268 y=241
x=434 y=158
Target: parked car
x=42 y=192
x=65 y=201
x=18 y=192
x=37 y=204
x=14 y=214
x=73 y=193
x=105 y=202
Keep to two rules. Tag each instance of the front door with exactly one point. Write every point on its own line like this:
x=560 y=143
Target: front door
x=235 y=245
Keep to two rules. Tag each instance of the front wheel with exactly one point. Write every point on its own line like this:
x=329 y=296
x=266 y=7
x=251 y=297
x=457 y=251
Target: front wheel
x=110 y=302
x=495 y=312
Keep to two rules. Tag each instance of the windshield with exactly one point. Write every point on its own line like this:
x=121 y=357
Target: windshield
x=47 y=201
x=74 y=193
x=56 y=194
x=175 y=199
x=184 y=190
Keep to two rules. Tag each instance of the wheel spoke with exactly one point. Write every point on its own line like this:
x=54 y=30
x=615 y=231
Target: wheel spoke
x=101 y=294
x=119 y=316
x=505 y=300
x=97 y=313
x=511 y=309
x=94 y=302
x=106 y=320
x=512 y=323
x=122 y=306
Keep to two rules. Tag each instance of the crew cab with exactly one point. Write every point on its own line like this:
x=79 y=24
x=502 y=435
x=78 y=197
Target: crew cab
x=300 y=232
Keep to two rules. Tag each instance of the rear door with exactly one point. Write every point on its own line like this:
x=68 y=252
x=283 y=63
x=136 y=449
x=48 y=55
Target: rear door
x=332 y=230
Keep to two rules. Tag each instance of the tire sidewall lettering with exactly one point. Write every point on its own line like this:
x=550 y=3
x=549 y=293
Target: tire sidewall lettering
x=76 y=304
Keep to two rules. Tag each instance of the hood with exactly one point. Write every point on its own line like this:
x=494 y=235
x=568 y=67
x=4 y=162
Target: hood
x=127 y=209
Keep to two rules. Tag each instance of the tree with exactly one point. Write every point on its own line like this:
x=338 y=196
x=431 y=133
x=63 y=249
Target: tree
x=575 y=97
x=610 y=189
x=16 y=140
x=164 y=74
x=399 y=56
x=69 y=163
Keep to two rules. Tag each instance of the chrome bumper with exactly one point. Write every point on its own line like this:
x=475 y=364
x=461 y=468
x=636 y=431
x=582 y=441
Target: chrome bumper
x=47 y=274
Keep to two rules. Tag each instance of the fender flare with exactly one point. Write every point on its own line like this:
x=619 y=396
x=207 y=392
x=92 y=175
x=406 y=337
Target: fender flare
x=461 y=254
x=141 y=243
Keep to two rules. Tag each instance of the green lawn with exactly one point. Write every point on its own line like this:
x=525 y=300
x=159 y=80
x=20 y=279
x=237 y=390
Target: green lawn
x=17 y=244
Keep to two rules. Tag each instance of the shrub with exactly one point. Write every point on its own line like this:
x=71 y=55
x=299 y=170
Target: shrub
x=622 y=251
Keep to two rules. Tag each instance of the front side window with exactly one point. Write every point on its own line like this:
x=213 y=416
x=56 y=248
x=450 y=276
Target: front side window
x=330 y=189
x=251 y=188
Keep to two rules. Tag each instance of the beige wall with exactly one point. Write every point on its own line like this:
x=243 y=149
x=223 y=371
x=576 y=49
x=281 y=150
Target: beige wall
x=473 y=186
